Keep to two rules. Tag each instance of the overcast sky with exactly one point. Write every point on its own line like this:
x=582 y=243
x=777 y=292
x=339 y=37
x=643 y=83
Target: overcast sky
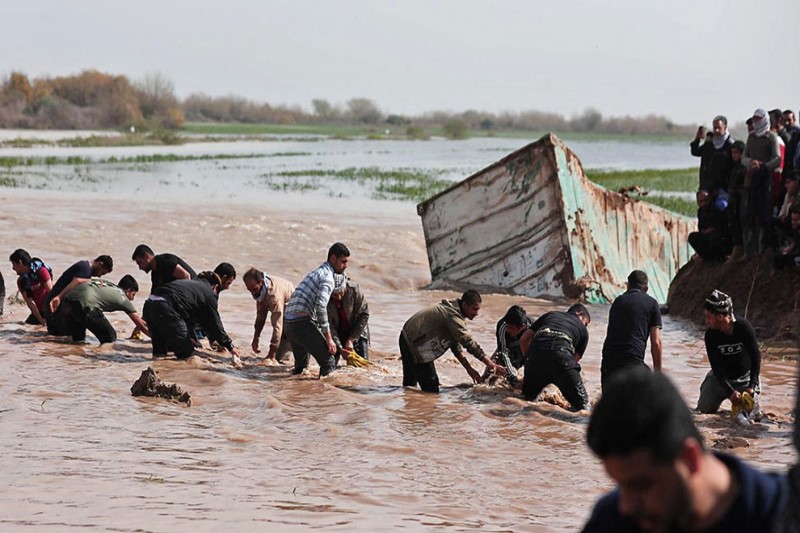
x=686 y=59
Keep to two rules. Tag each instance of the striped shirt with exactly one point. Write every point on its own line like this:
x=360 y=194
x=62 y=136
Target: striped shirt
x=310 y=298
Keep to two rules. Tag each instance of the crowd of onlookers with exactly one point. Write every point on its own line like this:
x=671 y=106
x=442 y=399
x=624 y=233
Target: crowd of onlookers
x=747 y=197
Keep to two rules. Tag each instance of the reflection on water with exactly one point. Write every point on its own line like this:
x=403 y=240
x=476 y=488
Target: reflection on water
x=259 y=447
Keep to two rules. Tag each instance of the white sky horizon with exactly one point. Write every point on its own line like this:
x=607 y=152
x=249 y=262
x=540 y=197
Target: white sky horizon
x=685 y=60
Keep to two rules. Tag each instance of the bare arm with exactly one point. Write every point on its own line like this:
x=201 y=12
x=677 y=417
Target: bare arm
x=140 y=324
x=34 y=310
x=56 y=301
x=655 y=347
x=180 y=273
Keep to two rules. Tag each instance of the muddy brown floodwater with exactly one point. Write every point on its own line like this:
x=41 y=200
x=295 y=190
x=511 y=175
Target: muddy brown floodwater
x=262 y=450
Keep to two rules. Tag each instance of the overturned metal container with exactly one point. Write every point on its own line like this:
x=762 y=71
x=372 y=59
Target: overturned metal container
x=533 y=224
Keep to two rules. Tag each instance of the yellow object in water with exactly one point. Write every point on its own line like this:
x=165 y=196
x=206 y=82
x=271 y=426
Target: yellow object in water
x=353 y=359
x=746 y=405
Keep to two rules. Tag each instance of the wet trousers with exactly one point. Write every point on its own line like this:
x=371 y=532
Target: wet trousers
x=422 y=374
x=556 y=366
x=168 y=330
x=306 y=338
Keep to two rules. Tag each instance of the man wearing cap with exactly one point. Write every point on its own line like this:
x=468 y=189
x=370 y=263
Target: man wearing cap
x=306 y=321
x=348 y=316
x=733 y=353
x=271 y=294
x=634 y=316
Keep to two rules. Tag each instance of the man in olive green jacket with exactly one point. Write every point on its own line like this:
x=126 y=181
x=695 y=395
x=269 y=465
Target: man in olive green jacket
x=429 y=333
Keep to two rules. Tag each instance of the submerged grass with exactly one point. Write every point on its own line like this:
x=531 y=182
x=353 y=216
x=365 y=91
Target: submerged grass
x=10 y=162
x=400 y=184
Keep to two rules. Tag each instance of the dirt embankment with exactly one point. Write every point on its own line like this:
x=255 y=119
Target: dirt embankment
x=766 y=297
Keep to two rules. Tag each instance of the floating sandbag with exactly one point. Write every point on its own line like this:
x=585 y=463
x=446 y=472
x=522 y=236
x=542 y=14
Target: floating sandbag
x=148 y=384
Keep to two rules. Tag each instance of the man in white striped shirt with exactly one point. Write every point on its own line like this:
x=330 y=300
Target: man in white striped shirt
x=306 y=315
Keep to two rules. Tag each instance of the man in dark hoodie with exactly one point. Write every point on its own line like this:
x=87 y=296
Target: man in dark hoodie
x=174 y=307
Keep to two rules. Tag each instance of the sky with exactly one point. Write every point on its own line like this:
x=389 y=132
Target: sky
x=688 y=60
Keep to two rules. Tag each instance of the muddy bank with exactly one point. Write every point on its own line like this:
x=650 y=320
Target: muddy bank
x=768 y=298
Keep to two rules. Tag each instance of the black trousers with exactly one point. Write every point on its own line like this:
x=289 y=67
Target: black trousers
x=422 y=374
x=557 y=366
x=72 y=319
x=168 y=330
x=610 y=366
x=710 y=246
x=306 y=338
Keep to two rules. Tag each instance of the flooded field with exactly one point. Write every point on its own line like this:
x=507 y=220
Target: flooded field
x=259 y=448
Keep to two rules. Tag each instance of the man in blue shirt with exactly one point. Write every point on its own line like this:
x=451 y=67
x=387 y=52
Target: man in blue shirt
x=666 y=479
x=306 y=315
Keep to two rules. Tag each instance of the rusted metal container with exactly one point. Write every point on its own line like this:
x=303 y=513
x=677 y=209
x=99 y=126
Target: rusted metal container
x=533 y=224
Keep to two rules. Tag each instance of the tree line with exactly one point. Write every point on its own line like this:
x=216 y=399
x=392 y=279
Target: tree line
x=92 y=100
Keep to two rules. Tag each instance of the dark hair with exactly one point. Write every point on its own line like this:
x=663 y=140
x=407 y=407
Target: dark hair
x=721 y=118
x=107 y=262
x=788 y=112
x=141 y=250
x=637 y=280
x=471 y=297
x=225 y=270
x=20 y=255
x=640 y=409
x=252 y=273
x=749 y=121
x=579 y=309
x=775 y=116
x=128 y=283
x=515 y=316
x=212 y=278
x=339 y=250
x=738 y=145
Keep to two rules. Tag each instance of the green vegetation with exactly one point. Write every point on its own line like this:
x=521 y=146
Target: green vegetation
x=6 y=181
x=668 y=180
x=401 y=184
x=670 y=203
x=10 y=162
x=331 y=130
x=645 y=181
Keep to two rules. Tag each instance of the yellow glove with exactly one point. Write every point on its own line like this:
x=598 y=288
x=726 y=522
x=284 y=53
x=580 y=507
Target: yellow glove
x=353 y=359
x=746 y=405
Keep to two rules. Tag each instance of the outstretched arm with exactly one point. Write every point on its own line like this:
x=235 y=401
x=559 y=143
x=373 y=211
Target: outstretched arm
x=56 y=301
x=141 y=325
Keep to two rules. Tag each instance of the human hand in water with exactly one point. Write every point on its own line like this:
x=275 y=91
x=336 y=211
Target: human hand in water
x=735 y=397
x=500 y=370
x=475 y=375
x=54 y=303
x=254 y=345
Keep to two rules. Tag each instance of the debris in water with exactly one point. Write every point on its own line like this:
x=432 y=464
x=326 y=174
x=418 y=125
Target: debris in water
x=148 y=384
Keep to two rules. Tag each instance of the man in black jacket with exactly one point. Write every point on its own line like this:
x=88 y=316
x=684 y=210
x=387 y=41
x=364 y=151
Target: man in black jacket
x=173 y=308
x=556 y=342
